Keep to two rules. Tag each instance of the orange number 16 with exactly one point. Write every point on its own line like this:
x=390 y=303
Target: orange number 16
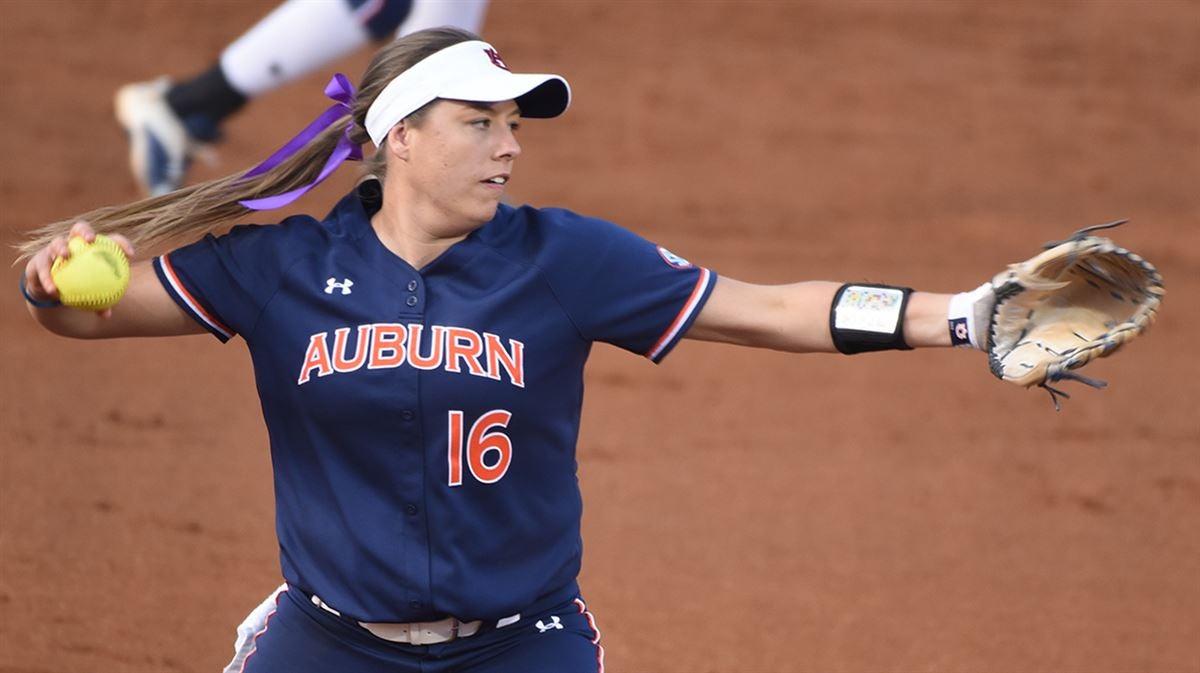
x=479 y=442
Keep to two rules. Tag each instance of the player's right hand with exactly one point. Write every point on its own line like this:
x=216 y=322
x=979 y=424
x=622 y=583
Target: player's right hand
x=38 y=281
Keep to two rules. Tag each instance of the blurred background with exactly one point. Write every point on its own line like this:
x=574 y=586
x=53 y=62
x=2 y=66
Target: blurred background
x=744 y=511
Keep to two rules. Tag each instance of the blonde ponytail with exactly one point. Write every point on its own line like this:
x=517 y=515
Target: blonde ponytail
x=190 y=212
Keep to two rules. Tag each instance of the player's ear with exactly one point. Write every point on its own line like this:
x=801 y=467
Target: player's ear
x=399 y=140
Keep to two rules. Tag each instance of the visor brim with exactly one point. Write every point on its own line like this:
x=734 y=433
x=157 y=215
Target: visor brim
x=538 y=96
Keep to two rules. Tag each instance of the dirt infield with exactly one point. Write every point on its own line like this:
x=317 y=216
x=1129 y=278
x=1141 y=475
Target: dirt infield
x=745 y=511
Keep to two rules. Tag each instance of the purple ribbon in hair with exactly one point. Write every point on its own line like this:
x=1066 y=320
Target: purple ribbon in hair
x=341 y=90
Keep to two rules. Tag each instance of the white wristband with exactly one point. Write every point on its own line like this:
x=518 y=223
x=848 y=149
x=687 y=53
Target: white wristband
x=968 y=316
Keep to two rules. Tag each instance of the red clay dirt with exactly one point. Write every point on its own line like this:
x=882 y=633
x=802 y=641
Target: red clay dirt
x=745 y=511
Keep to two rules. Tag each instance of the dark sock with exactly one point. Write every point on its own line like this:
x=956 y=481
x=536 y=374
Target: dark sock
x=204 y=101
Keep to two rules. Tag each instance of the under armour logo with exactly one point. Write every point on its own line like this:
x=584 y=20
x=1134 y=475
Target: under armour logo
x=496 y=60
x=555 y=623
x=344 y=286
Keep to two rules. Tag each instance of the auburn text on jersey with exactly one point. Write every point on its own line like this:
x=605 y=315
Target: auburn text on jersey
x=389 y=345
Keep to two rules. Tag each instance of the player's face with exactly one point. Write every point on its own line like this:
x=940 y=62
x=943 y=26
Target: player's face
x=461 y=157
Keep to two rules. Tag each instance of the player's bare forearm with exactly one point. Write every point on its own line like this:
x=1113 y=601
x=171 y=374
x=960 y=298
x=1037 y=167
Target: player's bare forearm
x=795 y=317
x=925 y=320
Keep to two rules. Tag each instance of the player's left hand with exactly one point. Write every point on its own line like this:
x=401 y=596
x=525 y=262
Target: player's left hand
x=1080 y=299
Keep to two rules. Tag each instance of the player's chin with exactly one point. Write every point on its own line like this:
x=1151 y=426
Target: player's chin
x=484 y=210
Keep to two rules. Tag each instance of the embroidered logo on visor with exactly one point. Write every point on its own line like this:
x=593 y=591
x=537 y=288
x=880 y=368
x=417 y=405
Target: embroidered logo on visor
x=496 y=60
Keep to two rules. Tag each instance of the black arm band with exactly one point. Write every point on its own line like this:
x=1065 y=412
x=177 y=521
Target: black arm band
x=865 y=318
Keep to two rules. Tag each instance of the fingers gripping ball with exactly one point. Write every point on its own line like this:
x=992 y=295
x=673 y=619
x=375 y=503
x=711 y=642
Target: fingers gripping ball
x=94 y=276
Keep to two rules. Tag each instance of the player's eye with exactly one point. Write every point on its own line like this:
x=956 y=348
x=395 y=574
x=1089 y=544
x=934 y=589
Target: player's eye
x=514 y=126
x=482 y=123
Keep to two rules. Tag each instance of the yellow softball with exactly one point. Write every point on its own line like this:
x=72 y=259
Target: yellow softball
x=95 y=275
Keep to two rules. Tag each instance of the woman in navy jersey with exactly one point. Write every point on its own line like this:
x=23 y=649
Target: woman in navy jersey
x=419 y=356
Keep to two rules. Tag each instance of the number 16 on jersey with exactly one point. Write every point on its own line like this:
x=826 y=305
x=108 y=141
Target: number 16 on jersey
x=481 y=440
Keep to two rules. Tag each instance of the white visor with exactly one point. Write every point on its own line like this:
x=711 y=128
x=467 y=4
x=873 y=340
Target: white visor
x=470 y=71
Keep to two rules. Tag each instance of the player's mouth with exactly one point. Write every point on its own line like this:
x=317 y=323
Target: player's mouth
x=497 y=181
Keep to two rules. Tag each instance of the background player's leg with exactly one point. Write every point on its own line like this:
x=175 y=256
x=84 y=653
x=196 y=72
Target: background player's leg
x=465 y=14
x=300 y=37
x=167 y=122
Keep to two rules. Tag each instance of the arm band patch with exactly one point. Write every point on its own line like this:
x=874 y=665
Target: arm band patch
x=866 y=318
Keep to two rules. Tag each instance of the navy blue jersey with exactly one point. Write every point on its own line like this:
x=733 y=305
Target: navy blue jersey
x=423 y=422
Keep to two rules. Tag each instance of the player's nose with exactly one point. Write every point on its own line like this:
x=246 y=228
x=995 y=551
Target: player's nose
x=508 y=147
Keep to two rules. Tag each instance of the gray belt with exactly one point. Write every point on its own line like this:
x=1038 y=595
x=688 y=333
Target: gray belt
x=421 y=633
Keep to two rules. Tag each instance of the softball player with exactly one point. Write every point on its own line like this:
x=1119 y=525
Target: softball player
x=419 y=356
x=169 y=122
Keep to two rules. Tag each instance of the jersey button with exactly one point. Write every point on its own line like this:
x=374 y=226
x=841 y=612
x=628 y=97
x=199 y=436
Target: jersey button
x=411 y=509
x=411 y=301
x=412 y=286
x=407 y=414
